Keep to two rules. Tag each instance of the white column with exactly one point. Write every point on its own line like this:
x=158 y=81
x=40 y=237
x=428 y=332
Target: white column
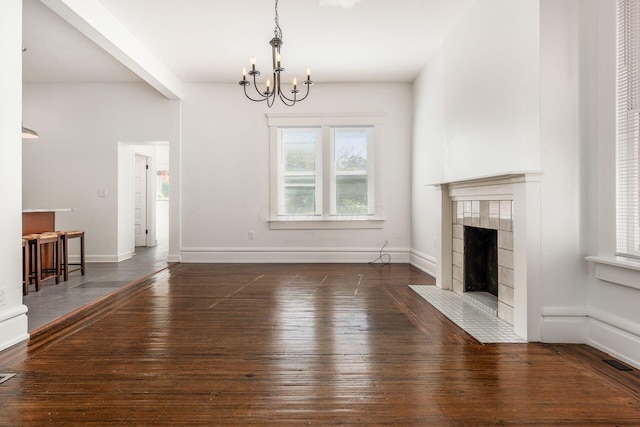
x=13 y=318
x=527 y=292
x=443 y=272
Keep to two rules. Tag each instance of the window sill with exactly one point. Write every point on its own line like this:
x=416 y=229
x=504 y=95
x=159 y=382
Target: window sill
x=318 y=223
x=617 y=270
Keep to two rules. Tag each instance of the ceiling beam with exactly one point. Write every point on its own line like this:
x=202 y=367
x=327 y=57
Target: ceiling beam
x=96 y=22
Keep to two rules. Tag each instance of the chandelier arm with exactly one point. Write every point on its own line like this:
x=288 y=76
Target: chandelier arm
x=295 y=98
x=306 y=93
x=273 y=99
x=284 y=97
x=254 y=100
x=255 y=86
x=286 y=101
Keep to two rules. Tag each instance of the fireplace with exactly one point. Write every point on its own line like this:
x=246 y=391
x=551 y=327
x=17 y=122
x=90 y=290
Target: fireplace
x=508 y=204
x=481 y=260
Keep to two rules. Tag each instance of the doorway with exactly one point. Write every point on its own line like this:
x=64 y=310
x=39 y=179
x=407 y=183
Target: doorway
x=143 y=202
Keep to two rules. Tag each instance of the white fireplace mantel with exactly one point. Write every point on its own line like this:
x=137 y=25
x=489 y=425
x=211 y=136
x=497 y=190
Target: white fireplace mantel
x=523 y=188
x=495 y=183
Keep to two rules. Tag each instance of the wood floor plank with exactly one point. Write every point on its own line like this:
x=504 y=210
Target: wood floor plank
x=296 y=344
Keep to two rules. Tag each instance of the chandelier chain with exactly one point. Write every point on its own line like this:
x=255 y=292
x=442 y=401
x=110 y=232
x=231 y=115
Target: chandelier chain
x=277 y=31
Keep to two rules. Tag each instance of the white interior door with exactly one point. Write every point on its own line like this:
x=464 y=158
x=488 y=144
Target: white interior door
x=140 y=205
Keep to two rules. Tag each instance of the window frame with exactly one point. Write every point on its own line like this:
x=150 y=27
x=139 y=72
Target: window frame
x=327 y=219
x=628 y=130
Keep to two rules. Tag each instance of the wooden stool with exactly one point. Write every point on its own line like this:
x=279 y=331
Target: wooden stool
x=65 y=236
x=43 y=272
x=29 y=260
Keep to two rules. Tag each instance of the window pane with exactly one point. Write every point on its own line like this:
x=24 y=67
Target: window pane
x=162 y=185
x=300 y=195
x=299 y=150
x=350 y=150
x=351 y=195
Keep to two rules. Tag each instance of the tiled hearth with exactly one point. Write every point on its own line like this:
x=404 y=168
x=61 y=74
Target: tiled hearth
x=494 y=215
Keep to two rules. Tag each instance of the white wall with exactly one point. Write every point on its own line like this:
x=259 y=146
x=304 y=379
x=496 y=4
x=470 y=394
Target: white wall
x=13 y=319
x=427 y=165
x=80 y=126
x=491 y=90
x=225 y=177
x=476 y=110
x=564 y=246
x=614 y=287
x=126 y=205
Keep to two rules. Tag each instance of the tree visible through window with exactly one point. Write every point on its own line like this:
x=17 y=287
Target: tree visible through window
x=351 y=177
x=162 y=185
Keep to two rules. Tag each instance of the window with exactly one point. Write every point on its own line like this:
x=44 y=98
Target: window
x=628 y=129
x=324 y=172
x=351 y=166
x=162 y=185
x=299 y=166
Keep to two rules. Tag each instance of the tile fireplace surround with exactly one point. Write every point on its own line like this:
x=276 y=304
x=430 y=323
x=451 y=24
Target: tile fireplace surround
x=492 y=215
x=509 y=204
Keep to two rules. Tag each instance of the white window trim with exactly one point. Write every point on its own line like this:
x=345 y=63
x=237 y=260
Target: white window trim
x=325 y=221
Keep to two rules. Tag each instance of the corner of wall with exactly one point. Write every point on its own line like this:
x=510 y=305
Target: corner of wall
x=11 y=320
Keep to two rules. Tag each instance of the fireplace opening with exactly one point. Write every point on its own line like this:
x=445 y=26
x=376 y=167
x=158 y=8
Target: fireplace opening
x=480 y=260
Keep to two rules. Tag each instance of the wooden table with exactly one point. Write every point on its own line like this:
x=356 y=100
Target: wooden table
x=39 y=220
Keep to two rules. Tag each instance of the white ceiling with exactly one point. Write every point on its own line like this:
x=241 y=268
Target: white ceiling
x=211 y=40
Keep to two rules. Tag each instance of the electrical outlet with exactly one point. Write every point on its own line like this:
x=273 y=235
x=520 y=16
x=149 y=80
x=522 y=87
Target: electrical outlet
x=250 y=235
x=3 y=301
x=102 y=192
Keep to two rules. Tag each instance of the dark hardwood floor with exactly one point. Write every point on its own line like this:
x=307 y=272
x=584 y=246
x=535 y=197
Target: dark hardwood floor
x=276 y=344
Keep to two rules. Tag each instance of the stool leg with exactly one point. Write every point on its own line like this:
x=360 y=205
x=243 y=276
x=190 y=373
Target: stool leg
x=82 y=254
x=38 y=266
x=56 y=250
x=65 y=252
x=25 y=268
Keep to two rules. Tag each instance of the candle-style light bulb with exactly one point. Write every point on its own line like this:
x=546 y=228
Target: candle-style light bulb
x=253 y=63
x=278 y=59
x=244 y=73
x=295 y=82
x=308 y=73
x=268 y=85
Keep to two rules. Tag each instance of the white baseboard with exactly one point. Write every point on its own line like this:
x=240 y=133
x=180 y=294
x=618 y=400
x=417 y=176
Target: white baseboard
x=609 y=333
x=101 y=258
x=614 y=341
x=424 y=262
x=174 y=258
x=564 y=329
x=293 y=255
x=13 y=326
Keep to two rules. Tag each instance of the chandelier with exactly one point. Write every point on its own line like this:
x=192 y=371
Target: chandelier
x=271 y=93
